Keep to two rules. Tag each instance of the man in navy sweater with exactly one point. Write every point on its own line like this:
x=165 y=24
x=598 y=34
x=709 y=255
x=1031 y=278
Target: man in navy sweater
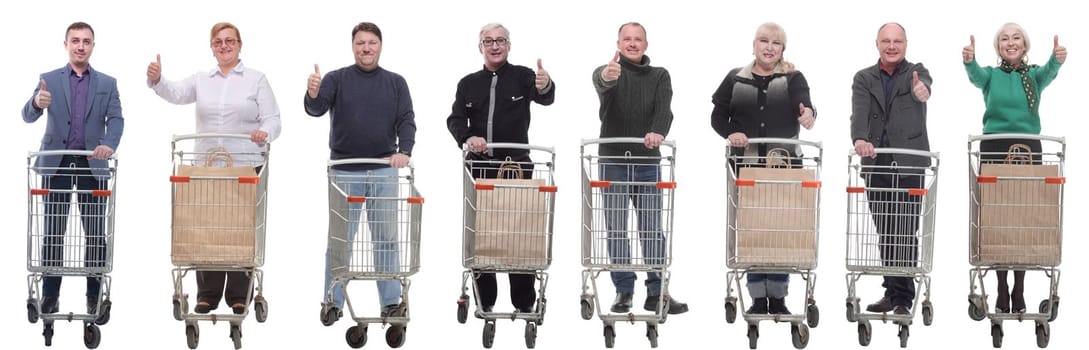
x=370 y=114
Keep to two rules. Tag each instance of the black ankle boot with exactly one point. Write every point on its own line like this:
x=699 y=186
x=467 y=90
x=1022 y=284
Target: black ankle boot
x=759 y=307
x=777 y=306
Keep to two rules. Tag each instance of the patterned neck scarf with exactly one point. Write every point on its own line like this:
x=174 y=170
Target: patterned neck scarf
x=1026 y=82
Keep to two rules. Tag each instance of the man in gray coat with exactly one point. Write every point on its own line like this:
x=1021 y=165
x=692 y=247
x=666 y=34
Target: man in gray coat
x=888 y=110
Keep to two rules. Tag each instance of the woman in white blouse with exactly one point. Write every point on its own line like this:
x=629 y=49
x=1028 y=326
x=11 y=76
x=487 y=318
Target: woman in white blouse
x=230 y=99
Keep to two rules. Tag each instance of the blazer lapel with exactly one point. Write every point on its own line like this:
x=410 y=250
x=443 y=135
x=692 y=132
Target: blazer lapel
x=66 y=87
x=92 y=86
x=876 y=89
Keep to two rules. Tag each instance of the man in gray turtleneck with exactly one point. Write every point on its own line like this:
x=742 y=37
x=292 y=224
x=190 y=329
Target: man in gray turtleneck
x=635 y=100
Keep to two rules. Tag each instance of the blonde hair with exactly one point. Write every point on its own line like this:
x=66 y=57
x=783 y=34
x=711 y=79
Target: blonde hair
x=221 y=26
x=1024 y=35
x=772 y=29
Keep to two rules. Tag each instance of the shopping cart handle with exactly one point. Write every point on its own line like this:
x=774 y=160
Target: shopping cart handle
x=65 y=152
x=382 y=161
x=767 y=140
x=908 y=151
x=1059 y=139
x=211 y=136
x=605 y=140
x=512 y=145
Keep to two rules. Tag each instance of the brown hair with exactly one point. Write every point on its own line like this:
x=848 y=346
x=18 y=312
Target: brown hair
x=367 y=27
x=77 y=26
x=224 y=25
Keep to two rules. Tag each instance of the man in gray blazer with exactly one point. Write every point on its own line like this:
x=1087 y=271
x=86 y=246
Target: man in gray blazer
x=888 y=109
x=85 y=116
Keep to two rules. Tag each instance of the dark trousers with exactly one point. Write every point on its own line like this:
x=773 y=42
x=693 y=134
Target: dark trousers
x=522 y=293
x=996 y=151
x=210 y=284
x=74 y=172
x=896 y=216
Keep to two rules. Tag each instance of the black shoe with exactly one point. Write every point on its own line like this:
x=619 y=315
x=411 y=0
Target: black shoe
x=393 y=310
x=203 y=307
x=901 y=310
x=487 y=308
x=777 y=306
x=525 y=310
x=92 y=306
x=622 y=303
x=759 y=307
x=238 y=308
x=881 y=306
x=674 y=307
x=50 y=305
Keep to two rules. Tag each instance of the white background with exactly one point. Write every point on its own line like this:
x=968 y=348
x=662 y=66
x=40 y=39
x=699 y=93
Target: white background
x=433 y=45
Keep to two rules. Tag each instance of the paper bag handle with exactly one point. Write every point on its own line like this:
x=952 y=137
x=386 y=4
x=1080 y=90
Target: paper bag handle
x=777 y=158
x=1019 y=154
x=218 y=154
x=509 y=166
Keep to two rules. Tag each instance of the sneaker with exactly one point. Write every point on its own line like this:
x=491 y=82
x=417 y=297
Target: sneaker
x=393 y=310
x=674 y=307
x=777 y=306
x=50 y=305
x=881 y=306
x=901 y=310
x=759 y=307
x=622 y=303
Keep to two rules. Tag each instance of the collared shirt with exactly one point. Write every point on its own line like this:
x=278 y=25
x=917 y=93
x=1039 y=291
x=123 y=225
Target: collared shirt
x=80 y=86
x=238 y=102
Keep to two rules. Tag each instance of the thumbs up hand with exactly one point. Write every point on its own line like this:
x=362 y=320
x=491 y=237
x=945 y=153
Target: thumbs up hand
x=612 y=70
x=805 y=116
x=542 y=79
x=43 y=98
x=314 y=83
x=969 y=52
x=154 y=71
x=1059 y=51
x=920 y=90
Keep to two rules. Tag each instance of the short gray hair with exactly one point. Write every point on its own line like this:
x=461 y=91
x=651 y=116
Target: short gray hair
x=491 y=26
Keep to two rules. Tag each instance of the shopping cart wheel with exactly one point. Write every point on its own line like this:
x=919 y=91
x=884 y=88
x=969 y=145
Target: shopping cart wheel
x=587 y=307
x=754 y=333
x=996 y=335
x=799 y=335
x=1043 y=334
x=181 y=307
x=975 y=313
x=356 y=336
x=865 y=332
x=192 y=335
x=329 y=315
x=236 y=336
x=531 y=335
x=928 y=313
x=812 y=316
x=463 y=312
x=652 y=335
x=260 y=308
x=47 y=332
x=104 y=312
x=91 y=335
x=541 y=306
x=395 y=336
x=1047 y=306
x=852 y=311
x=610 y=336
x=904 y=334
x=731 y=311
x=32 y=310
x=489 y=334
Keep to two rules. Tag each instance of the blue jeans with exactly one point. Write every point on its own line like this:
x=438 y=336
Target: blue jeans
x=382 y=221
x=76 y=174
x=647 y=202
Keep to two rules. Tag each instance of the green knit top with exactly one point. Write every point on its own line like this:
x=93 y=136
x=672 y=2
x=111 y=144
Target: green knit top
x=1004 y=96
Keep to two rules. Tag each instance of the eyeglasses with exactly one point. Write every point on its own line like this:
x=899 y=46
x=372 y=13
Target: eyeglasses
x=228 y=42
x=490 y=42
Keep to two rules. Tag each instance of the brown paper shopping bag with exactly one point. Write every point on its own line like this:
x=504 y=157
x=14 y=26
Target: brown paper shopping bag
x=511 y=222
x=214 y=213
x=1019 y=219
x=776 y=222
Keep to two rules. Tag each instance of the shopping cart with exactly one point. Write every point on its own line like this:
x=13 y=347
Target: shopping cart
x=507 y=228
x=774 y=221
x=604 y=247
x=1015 y=223
x=906 y=206
x=362 y=209
x=70 y=233
x=218 y=203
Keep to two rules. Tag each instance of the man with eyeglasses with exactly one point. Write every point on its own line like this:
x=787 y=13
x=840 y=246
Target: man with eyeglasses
x=490 y=106
x=635 y=102
x=86 y=116
x=370 y=111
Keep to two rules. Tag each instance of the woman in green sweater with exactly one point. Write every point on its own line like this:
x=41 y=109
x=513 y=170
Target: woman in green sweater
x=1011 y=93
